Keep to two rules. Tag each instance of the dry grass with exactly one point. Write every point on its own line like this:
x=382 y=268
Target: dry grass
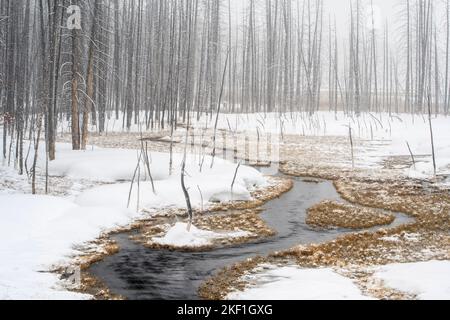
x=429 y=205
x=277 y=187
x=93 y=252
x=96 y=288
x=331 y=214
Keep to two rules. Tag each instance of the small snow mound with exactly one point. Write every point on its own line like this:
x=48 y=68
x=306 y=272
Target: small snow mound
x=179 y=236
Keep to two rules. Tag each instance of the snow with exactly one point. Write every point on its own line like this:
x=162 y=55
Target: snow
x=427 y=280
x=294 y=283
x=209 y=185
x=10 y=181
x=179 y=236
x=41 y=232
x=409 y=237
x=168 y=193
x=391 y=239
x=111 y=165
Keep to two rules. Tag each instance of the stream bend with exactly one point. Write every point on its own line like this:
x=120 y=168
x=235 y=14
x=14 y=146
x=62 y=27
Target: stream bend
x=140 y=273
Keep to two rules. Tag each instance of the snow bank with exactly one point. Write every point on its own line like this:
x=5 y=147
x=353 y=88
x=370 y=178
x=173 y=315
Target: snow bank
x=427 y=280
x=119 y=165
x=209 y=185
x=293 y=283
x=178 y=236
x=103 y=165
x=168 y=194
x=115 y=165
x=40 y=232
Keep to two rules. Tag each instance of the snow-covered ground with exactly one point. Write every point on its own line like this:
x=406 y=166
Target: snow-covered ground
x=39 y=233
x=294 y=283
x=426 y=280
x=209 y=185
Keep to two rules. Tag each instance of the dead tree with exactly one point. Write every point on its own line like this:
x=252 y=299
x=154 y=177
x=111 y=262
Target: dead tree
x=76 y=56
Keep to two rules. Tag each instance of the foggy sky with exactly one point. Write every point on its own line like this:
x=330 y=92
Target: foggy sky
x=340 y=9
x=386 y=11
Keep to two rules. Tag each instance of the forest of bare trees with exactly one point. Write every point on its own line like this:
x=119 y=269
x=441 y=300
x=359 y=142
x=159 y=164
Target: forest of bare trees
x=158 y=62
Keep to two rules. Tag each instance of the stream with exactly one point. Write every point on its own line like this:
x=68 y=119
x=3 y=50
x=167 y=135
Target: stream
x=140 y=273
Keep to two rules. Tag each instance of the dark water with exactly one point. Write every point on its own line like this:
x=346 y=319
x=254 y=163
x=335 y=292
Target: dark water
x=140 y=273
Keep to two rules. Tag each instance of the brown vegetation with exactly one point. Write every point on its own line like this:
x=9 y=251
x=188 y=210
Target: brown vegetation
x=330 y=214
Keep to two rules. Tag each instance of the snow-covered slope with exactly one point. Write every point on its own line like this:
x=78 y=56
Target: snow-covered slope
x=40 y=232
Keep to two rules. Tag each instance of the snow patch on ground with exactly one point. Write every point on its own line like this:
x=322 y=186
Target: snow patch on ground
x=409 y=237
x=41 y=232
x=11 y=182
x=206 y=186
x=179 y=236
x=168 y=194
x=294 y=283
x=427 y=280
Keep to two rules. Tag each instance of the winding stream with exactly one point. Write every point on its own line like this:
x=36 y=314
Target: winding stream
x=139 y=273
